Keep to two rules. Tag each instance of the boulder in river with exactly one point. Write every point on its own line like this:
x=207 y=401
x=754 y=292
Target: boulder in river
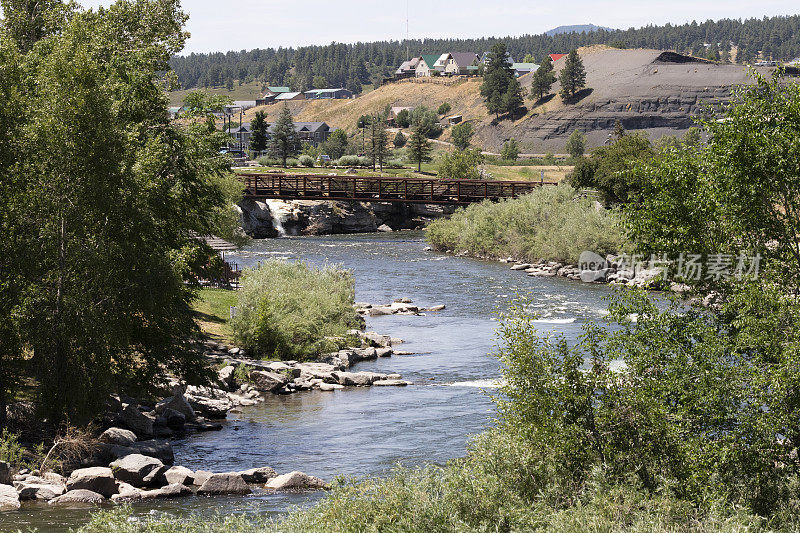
x=179 y=474
x=258 y=475
x=178 y=403
x=136 y=421
x=96 y=479
x=268 y=381
x=78 y=496
x=391 y=383
x=295 y=481
x=118 y=436
x=34 y=488
x=226 y=483
x=172 y=490
x=9 y=498
x=138 y=470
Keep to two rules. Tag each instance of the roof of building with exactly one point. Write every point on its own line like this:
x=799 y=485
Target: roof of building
x=325 y=91
x=464 y=59
x=411 y=64
x=279 y=89
x=310 y=126
x=244 y=103
x=305 y=126
x=244 y=128
x=429 y=59
x=287 y=96
x=442 y=59
x=556 y=57
x=524 y=66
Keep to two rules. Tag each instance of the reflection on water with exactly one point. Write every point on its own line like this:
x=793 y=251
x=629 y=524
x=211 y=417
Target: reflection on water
x=359 y=432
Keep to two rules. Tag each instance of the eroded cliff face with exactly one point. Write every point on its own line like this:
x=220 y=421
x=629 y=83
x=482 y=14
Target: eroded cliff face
x=651 y=91
x=273 y=218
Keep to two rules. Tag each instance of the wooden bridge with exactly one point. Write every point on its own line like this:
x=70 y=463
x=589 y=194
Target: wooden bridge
x=373 y=189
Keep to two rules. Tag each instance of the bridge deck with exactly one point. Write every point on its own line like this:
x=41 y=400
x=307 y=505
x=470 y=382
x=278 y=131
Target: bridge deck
x=372 y=189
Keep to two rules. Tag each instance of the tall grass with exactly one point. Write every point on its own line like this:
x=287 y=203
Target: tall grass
x=294 y=310
x=549 y=223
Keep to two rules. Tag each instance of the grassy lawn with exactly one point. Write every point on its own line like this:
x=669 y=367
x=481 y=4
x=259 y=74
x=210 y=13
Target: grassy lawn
x=552 y=173
x=212 y=312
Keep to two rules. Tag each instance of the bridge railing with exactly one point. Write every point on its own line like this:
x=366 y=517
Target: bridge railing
x=388 y=189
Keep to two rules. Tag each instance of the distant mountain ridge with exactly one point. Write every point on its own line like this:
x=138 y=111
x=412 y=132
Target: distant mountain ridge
x=576 y=28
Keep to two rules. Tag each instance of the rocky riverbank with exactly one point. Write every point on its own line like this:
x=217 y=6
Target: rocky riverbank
x=132 y=459
x=275 y=218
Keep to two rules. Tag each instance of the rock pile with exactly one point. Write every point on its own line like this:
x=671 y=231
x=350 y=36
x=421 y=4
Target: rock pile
x=401 y=306
x=140 y=477
x=612 y=272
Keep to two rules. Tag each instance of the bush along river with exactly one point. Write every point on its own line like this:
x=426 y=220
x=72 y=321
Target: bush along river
x=360 y=431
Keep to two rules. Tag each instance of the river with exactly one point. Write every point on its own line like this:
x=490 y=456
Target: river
x=358 y=432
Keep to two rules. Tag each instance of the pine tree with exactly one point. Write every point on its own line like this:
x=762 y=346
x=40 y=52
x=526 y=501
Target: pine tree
x=419 y=148
x=496 y=80
x=258 y=128
x=543 y=79
x=284 y=141
x=399 y=140
x=378 y=145
x=573 y=76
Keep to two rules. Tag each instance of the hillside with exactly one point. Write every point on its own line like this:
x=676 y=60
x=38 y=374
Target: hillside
x=646 y=90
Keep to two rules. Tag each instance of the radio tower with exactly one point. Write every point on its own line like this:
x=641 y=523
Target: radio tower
x=408 y=52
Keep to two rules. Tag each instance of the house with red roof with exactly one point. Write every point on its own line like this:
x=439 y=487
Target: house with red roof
x=556 y=57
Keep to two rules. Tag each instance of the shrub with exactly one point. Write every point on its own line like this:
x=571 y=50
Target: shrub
x=394 y=163
x=351 y=161
x=306 y=160
x=291 y=162
x=548 y=223
x=510 y=150
x=291 y=310
x=11 y=451
x=461 y=164
x=444 y=109
x=266 y=161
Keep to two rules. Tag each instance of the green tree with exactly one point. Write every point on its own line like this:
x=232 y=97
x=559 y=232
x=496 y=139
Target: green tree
x=336 y=144
x=419 y=148
x=607 y=169
x=497 y=80
x=722 y=197
x=573 y=76
x=510 y=151
x=111 y=216
x=258 y=128
x=692 y=137
x=284 y=141
x=576 y=144
x=543 y=79
x=444 y=109
x=529 y=59
x=403 y=119
x=461 y=164
x=461 y=135
x=399 y=140
x=28 y=21
x=427 y=120
x=378 y=143
x=320 y=82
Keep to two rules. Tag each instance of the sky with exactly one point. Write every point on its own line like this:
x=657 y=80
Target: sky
x=246 y=24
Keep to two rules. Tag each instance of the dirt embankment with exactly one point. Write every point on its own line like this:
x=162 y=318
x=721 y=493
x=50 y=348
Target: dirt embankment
x=646 y=90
